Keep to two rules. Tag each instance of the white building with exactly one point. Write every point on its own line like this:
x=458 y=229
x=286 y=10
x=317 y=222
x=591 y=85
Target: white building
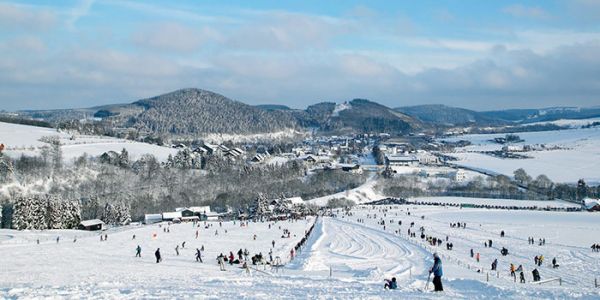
x=458 y=175
x=402 y=160
x=152 y=218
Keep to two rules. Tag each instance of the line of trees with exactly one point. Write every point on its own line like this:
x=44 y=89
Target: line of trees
x=522 y=187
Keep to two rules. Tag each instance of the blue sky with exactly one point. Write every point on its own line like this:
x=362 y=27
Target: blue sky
x=474 y=54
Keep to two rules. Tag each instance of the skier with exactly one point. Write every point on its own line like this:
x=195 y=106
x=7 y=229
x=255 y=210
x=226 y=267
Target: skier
x=477 y=257
x=177 y=250
x=472 y=253
x=292 y=254
x=502 y=233
x=554 y=264
x=196 y=233
x=522 y=277
x=157 y=255
x=436 y=269
x=183 y=245
x=198 y=255
x=540 y=260
x=535 y=260
x=57 y=239
x=391 y=284
x=273 y=243
x=240 y=253
x=133 y=237
x=231 y=258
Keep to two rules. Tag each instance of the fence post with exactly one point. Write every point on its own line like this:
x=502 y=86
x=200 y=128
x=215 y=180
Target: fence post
x=330 y=272
x=410 y=272
x=559 y=281
x=487 y=277
x=497 y=274
x=596 y=282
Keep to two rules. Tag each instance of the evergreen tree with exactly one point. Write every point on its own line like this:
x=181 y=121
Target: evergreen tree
x=124 y=159
x=582 y=190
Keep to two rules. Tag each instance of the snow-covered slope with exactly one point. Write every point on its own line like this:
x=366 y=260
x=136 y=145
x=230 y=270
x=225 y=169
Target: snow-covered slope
x=577 y=156
x=24 y=139
x=342 y=259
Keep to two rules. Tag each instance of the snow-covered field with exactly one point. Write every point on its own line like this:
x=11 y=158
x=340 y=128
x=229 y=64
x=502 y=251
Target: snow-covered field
x=578 y=156
x=24 y=139
x=573 y=123
x=357 y=256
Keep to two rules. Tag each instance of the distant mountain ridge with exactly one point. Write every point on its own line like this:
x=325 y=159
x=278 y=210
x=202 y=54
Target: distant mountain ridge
x=445 y=115
x=453 y=116
x=195 y=112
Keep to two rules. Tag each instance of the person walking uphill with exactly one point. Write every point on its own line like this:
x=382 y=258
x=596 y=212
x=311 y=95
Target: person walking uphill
x=157 y=255
x=138 y=251
x=437 y=273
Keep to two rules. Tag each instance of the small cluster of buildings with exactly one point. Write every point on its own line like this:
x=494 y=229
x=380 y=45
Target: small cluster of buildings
x=183 y=214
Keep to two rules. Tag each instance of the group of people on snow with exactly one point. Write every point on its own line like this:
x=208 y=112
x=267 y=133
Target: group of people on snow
x=541 y=242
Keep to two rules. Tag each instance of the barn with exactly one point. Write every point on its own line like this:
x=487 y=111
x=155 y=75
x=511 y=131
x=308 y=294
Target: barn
x=91 y=225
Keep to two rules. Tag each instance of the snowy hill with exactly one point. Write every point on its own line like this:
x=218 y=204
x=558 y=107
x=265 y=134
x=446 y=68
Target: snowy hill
x=569 y=155
x=341 y=259
x=24 y=139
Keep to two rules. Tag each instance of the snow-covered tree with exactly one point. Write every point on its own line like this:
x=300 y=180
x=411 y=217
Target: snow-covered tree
x=45 y=212
x=116 y=214
x=124 y=159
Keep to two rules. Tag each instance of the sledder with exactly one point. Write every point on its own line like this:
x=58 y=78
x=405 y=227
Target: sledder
x=391 y=284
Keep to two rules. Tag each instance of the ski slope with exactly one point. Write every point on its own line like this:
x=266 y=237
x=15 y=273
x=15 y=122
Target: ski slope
x=342 y=259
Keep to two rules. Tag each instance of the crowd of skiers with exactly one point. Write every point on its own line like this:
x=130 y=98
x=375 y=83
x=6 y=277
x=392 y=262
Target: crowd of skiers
x=242 y=255
x=595 y=248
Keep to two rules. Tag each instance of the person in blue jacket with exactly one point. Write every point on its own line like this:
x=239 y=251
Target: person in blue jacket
x=437 y=273
x=391 y=284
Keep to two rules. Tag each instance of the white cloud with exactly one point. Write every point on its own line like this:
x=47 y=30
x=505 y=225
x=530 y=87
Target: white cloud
x=171 y=36
x=80 y=10
x=17 y=17
x=522 y=11
x=286 y=31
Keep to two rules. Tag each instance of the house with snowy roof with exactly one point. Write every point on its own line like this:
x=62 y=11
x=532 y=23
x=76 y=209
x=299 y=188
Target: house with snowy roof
x=591 y=204
x=91 y=225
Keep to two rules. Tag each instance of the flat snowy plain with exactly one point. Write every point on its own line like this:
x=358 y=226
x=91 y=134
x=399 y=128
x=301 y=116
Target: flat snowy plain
x=357 y=255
